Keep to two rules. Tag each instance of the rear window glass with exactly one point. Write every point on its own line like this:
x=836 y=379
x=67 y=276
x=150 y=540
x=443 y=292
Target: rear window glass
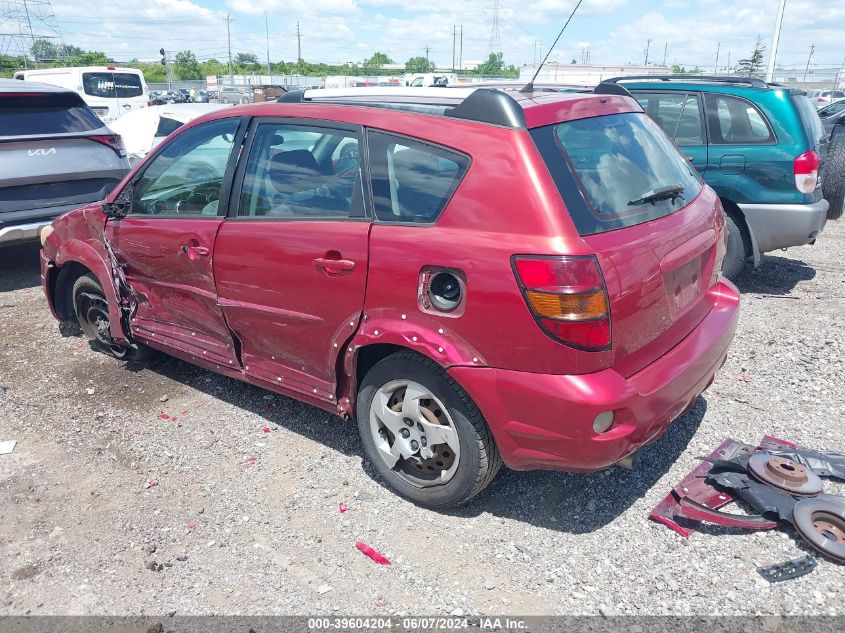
x=809 y=119
x=166 y=126
x=45 y=114
x=112 y=85
x=616 y=171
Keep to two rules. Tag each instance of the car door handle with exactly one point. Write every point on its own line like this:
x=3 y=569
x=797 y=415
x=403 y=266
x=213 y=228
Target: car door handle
x=194 y=252
x=335 y=266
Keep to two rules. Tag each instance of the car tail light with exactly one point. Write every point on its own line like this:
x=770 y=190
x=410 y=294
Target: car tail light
x=111 y=140
x=807 y=171
x=567 y=296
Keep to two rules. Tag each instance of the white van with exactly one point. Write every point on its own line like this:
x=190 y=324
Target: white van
x=108 y=91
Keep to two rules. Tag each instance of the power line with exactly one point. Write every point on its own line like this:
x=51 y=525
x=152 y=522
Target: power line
x=495 y=34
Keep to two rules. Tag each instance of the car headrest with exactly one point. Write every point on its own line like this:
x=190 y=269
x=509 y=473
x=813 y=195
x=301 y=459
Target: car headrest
x=294 y=171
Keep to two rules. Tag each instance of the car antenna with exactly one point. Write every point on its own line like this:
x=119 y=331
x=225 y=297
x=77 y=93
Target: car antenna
x=529 y=87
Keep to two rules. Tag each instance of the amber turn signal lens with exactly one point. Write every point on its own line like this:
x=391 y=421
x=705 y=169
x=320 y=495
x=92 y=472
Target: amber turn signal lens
x=568 y=307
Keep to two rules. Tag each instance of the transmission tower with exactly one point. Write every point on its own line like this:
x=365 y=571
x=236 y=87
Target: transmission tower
x=495 y=35
x=23 y=22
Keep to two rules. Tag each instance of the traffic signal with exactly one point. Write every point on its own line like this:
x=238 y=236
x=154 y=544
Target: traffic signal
x=163 y=57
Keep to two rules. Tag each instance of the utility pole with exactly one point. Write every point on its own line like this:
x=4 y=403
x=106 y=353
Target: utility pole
x=461 y=49
x=537 y=44
x=807 y=69
x=838 y=75
x=773 y=49
x=267 y=30
x=427 y=49
x=229 y=39
x=716 y=65
x=647 y=46
x=665 y=51
x=298 y=46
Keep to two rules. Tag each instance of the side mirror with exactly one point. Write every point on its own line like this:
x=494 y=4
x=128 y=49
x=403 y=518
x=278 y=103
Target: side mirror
x=120 y=207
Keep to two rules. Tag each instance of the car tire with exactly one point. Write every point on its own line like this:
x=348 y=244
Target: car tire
x=735 y=255
x=90 y=306
x=833 y=184
x=461 y=466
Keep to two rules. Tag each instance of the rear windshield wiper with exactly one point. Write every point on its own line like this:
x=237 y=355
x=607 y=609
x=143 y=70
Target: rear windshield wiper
x=669 y=192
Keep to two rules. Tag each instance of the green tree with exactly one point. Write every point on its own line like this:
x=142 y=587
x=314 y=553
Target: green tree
x=378 y=60
x=493 y=65
x=753 y=65
x=246 y=59
x=69 y=50
x=88 y=58
x=186 y=66
x=676 y=69
x=42 y=49
x=419 y=65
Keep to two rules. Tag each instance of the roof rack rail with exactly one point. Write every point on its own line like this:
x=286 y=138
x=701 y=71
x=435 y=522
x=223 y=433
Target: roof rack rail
x=727 y=79
x=482 y=105
x=607 y=88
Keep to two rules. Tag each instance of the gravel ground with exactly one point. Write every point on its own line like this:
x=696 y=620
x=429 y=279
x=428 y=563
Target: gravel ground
x=163 y=488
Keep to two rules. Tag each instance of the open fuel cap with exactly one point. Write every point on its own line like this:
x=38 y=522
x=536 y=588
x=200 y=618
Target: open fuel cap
x=821 y=522
x=784 y=474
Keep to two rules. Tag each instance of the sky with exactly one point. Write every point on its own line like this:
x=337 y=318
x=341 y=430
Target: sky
x=339 y=31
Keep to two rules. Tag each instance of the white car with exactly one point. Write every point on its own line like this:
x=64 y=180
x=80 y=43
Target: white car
x=109 y=91
x=143 y=130
x=821 y=98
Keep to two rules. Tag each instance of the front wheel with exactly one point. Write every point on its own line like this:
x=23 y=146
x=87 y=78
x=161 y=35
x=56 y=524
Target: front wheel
x=423 y=433
x=92 y=312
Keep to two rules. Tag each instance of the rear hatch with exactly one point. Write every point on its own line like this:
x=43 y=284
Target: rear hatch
x=655 y=229
x=53 y=152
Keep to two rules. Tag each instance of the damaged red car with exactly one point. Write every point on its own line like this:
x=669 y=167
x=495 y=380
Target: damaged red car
x=475 y=277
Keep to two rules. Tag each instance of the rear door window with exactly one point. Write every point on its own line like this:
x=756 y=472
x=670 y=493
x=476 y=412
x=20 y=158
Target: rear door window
x=110 y=85
x=412 y=181
x=166 y=126
x=297 y=171
x=736 y=121
x=616 y=171
x=677 y=113
x=810 y=119
x=46 y=114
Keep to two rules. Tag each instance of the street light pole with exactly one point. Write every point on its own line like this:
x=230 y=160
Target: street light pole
x=773 y=49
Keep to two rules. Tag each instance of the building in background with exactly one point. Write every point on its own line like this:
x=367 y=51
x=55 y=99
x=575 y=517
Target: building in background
x=585 y=74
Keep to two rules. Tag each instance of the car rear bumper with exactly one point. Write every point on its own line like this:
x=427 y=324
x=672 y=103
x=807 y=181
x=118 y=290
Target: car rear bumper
x=546 y=421
x=783 y=225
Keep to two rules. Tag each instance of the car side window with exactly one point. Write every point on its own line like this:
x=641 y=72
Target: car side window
x=186 y=177
x=677 y=113
x=166 y=126
x=736 y=122
x=299 y=171
x=412 y=181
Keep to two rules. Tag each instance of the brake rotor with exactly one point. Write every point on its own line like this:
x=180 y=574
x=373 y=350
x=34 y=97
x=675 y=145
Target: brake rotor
x=821 y=522
x=784 y=474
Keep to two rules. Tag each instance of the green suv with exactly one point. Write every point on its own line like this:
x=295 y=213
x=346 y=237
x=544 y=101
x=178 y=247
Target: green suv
x=759 y=145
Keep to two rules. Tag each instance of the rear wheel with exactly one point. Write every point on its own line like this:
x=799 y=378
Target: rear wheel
x=735 y=255
x=833 y=185
x=423 y=433
x=92 y=312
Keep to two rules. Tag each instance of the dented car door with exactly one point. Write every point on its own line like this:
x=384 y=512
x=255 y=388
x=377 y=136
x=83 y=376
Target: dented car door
x=166 y=242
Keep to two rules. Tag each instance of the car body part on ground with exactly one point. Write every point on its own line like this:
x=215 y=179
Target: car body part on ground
x=776 y=488
x=142 y=130
x=55 y=156
x=7 y=446
x=746 y=138
x=317 y=247
x=788 y=570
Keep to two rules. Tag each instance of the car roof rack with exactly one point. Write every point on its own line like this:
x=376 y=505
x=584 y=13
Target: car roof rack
x=482 y=105
x=726 y=79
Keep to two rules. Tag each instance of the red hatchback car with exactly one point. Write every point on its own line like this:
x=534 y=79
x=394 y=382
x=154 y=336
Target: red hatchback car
x=474 y=276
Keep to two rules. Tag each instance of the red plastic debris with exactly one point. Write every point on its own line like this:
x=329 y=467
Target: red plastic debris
x=265 y=406
x=249 y=461
x=343 y=508
x=192 y=525
x=151 y=483
x=266 y=429
x=378 y=557
x=742 y=378
x=163 y=416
